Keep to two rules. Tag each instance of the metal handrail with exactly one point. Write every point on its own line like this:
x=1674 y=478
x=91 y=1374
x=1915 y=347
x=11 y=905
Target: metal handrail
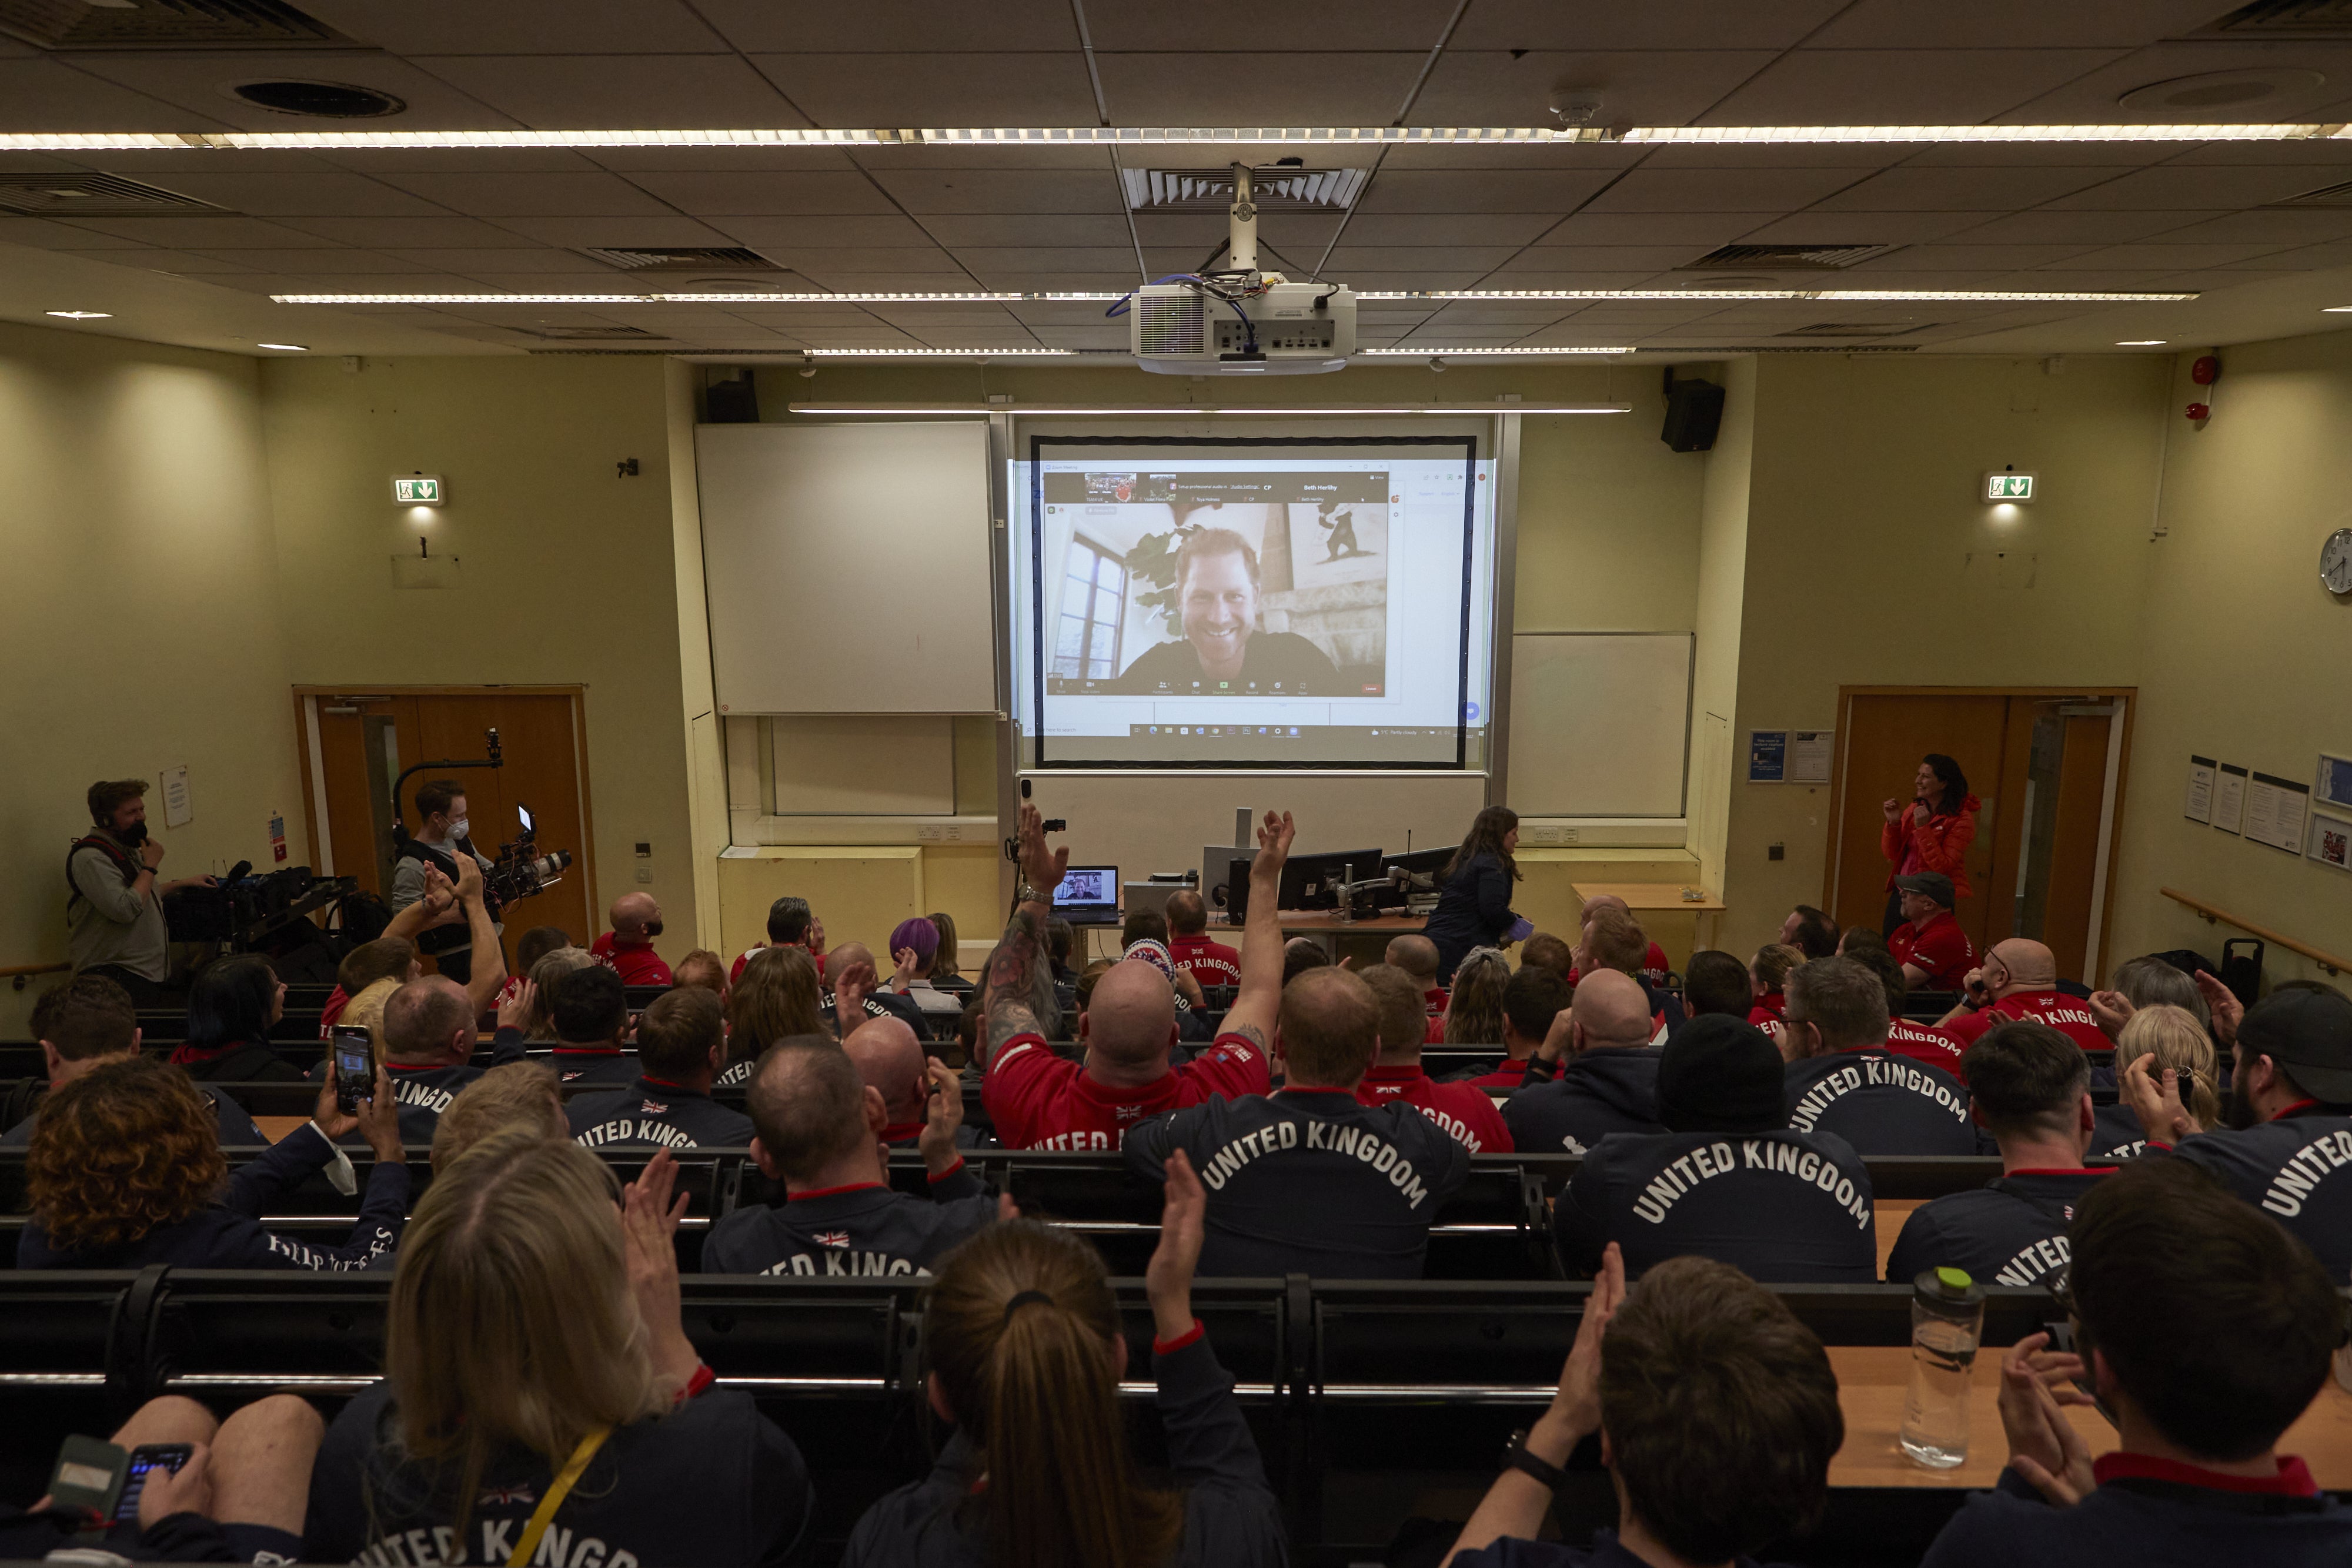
x=2335 y=963
x=19 y=972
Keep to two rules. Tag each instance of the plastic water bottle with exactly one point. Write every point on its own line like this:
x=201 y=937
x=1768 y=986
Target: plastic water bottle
x=1946 y=1324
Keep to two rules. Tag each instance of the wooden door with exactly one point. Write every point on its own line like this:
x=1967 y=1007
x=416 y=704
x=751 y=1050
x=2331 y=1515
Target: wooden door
x=1883 y=739
x=541 y=751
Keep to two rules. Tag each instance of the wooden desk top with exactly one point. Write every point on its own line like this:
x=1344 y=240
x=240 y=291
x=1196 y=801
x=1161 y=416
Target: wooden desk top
x=1651 y=895
x=1874 y=1381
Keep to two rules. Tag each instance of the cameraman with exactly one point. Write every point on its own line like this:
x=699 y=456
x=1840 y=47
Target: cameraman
x=114 y=907
x=437 y=844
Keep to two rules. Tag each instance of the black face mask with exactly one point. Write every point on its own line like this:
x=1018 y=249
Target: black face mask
x=134 y=835
x=653 y=928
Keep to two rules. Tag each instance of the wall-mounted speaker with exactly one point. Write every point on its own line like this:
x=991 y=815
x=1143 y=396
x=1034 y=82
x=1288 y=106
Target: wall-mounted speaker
x=1694 y=412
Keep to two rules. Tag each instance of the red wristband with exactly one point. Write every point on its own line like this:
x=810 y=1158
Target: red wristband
x=1163 y=1346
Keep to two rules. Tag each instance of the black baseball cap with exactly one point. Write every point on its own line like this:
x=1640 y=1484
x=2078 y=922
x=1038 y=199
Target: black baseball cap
x=1720 y=1074
x=1935 y=885
x=2308 y=1031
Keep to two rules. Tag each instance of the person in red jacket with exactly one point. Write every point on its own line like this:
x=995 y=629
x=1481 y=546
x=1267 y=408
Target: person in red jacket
x=1930 y=834
x=2018 y=979
x=1465 y=1112
x=1210 y=963
x=1929 y=944
x=628 y=946
x=1037 y=1100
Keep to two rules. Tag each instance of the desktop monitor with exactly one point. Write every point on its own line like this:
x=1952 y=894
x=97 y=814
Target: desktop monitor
x=1312 y=881
x=1218 y=862
x=1430 y=863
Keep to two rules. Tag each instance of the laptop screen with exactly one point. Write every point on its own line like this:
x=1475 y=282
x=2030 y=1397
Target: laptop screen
x=1088 y=887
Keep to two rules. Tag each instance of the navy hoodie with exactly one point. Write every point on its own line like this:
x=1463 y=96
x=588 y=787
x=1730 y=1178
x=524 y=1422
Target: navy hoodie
x=1612 y=1090
x=2010 y=1231
x=237 y=1128
x=228 y=1234
x=651 y=1112
x=1881 y=1103
x=2148 y=1511
x=1784 y=1206
x=866 y=1230
x=1231 y=1518
x=2293 y=1168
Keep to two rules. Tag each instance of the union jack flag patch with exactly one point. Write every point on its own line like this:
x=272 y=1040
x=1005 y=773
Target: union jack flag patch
x=654 y=1108
x=831 y=1238
x=506 y=1495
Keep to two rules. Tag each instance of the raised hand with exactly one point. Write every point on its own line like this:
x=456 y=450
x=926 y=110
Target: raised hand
x=2223 y=1004
x=1274 y=837
x=1041 y=867
x=942 y=1116
x=2044 y=1449
x=1893 y=809
x=649 y=1219
x=1183 y=1224
x=1575 y=1412
x=514 y=1012
x=2113 y=1009
x=850 y=990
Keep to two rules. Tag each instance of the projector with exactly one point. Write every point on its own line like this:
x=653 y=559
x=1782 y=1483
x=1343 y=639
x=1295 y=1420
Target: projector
x=1239 y=321
x=1252 y=324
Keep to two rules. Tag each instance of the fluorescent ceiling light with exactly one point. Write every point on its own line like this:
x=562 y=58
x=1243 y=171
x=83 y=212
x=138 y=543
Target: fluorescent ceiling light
x=1829 y=295
x=290 y=348
x=2334 y=309
x=1186 y=411
x=937 y=353
x=1158 y=135
x=84 y=315
x=2140 y=343
x=1432 y=353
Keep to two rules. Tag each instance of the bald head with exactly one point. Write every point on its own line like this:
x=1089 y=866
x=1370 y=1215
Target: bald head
x=1417 y=956
x=429 y=1021
x=1603 y=901
x=1187 y=915
x=1609 y=1013
x=632 y=913
x=2031 y=966
x=1131 y=1017
x=845 y=955
x=890 y=1059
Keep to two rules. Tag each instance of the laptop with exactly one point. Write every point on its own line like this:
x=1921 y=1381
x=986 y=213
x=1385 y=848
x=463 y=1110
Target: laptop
x=1088 y=891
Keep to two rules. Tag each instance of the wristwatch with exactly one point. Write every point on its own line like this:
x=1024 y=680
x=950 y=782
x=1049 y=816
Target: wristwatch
x=1517 y=1457
x=1025 y=893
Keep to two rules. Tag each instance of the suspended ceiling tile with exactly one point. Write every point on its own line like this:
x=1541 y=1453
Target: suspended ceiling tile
x=200 y=231
x=1899 y=87
x=1719 y=24
x=509 y=196
x=769 y=194
x=999 y=260
x=1333 y=88
x=453 y=232
x=936 y=89
x=755 y=26
x=155 y=258
x=1481 y=191
x=863 y=259
x=2053 y=227
x=1824 y=225
x=1349 y=258
x=1031 y=228
x=1001 y=191
x=1487 y=86
x=1705 y=230
x=199 y=81
x=1601 y=258
x=1448 y=228
x=520 y=26
x=2276 y=225
x=489 y=262
x=319 y=262
x=2165 y=256
x=48 y=95
x=2181 y=186
x=1960 y=258
x=1960 y=190
x=1651 y=189
x=1302 y=26
x=573 y=93
x=1993 y=24
x=2092 y=97
x=319 y=195
x=824 y=231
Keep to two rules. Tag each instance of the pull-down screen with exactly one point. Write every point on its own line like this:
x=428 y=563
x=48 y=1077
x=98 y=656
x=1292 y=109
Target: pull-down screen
x=1253 y=601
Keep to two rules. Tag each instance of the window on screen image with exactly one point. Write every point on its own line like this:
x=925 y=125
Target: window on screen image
x=1249 y=600
x=1083 y=887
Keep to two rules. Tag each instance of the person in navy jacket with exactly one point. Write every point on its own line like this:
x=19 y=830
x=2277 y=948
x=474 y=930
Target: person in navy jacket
x=1841 y=1078
x=820 y=1132
x=1608 y=1081
x=2029 y=1087
x=125 y=1170
x=1729 y=1179
x=1474 y=899
x=2205 y=1331
x=1027 y=1352
x=89 y=1021
x=681 y=1040
x=1717 y=1413
x=2287 y=1148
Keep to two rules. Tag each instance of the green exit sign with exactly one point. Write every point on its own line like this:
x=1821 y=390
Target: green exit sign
x=2007 y=486
x=417 y=490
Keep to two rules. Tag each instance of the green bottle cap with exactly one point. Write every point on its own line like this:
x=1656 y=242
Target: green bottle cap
x=1956 y=1281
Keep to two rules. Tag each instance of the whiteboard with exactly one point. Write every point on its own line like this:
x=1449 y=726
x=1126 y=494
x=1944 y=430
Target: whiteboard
x=1600 y=723
x=848 y=567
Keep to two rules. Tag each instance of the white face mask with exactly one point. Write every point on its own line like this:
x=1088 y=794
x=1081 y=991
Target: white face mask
x=459 y=829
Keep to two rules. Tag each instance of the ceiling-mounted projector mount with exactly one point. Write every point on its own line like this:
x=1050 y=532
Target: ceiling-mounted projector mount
x=1179 y=325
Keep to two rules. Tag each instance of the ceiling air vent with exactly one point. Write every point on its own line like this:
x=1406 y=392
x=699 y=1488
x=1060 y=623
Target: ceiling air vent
x=66 y=195
x=2297 y=19
x=1274 y=190
x=1786 y=257
x=681 y=258
x=1856 y=329
x=163 y=23
x=593 y=334
x=320 y=99
x=2337 y=196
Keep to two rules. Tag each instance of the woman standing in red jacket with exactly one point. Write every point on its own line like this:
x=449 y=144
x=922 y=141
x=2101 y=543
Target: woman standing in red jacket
x=1932 y=833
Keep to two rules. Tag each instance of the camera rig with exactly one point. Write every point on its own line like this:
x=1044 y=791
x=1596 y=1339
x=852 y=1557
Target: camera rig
x=518 y=871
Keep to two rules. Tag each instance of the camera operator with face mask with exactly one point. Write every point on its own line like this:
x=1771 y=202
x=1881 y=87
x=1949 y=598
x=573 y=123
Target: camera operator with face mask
x=443 y=837
x=114 y=909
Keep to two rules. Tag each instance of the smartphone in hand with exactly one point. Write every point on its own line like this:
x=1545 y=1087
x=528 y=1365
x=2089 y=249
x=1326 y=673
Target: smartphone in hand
x=354 y=1068
x=145 y=1458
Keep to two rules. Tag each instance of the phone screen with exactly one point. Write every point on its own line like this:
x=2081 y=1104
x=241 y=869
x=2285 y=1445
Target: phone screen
x=524 y=812
x=170 y=1457
x=354 y=1067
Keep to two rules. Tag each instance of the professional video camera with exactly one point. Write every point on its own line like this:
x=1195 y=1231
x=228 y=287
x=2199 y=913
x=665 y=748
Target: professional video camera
x=520 y=871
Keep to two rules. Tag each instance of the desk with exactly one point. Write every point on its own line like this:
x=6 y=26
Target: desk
x=1322 y=924
x=1873 y=1380
x=1658 y=896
